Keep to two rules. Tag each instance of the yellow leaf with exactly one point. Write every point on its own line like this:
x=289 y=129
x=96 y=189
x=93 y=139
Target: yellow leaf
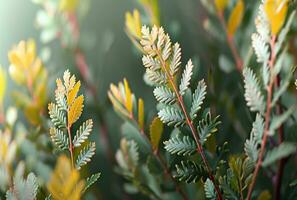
x=221 y=5
x=133 y=23
x=75 y=110
x=68 y=5
x=235 y=17
x=140 y=113
x=128 y=95
x=65 y=183
x=2 y=85
x=152 y=9
x=264 y=195
x=276 y=11
x=156 y=130
x=73 y=93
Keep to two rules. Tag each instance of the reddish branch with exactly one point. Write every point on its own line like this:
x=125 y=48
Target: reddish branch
x=70 y=146
x=267 y=120
x=231 y=44
x=190 y=124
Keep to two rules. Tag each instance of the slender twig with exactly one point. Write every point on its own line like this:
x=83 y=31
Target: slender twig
x=162 y=162
x=190 y=124
x=231 y=44
x=267 y=120
x=70 y=146
x=282 y=162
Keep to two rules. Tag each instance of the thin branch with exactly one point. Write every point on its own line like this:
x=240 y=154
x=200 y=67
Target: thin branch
x=282 y=162
x=70 y=146
x=231 y=43
x=190 y=124
x=267 y=120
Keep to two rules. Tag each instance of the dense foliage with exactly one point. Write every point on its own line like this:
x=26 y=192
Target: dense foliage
x=219 y=125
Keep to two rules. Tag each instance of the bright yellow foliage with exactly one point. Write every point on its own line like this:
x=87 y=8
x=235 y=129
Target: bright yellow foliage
x=221 y=5
x=75 y=110
x=123 y=100
x=26 y=69
x=7 y=148
x=276 y=11
x=140 y=113
x=2 y=85
x=73 y=93
x=235 y=17
x=152 y=8
x=156 y=130
x=68 y=5
x=65 y=183
x=128 y=100
x=133 y=23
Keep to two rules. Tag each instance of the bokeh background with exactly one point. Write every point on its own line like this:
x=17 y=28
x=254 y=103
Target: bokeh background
x=111 y=56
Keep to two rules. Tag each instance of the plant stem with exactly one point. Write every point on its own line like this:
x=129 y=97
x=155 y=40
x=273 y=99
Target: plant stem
x=267 y=120
x=282 y=162
x=231 y=44
x=162 y=162
x=190 y=124
x=70 y=146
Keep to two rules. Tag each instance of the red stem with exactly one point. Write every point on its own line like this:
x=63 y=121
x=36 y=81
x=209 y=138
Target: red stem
x=230 y=41
x=190 y=124
x=267 y=120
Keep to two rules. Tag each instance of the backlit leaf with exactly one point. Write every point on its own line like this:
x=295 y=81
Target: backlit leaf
x=235 y=17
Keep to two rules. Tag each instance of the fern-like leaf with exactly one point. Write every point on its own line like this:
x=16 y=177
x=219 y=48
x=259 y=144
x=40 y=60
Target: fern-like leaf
x=207 y=126
x=209 y=189
x=85 y=155
x=171 y=116
x=176 y=59
x=198 y=97
x=57 y=116
x=181 y=145
x=189 y=171
x=90 y=181
x=186 y=77
x=59 y=138
x=164 y=95
x=156 y=77
x=75 y=110
x=82 y=133
x=253 y=95
x=260 y=48
x=252 y=144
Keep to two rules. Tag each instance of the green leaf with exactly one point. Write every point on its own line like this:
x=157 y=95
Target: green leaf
x=189 y=172
x=23 y=189
x=156 y=77
x=253 y=95
x=57 y=116
x=156 y=130
x=82 y=133
x=283 y=150
x=164 y=95
x=261 y=48
x=277 y=121
x=91 y=180
x=172 y=116
x=127 y=156
x=180 y=145
x=207 y=126
x=198 y=97
x=186 y=77
x=282 y=88
x=59 y=138
x=85 y=155
x=176 y=59
x=209 y=189
x=251 y=145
